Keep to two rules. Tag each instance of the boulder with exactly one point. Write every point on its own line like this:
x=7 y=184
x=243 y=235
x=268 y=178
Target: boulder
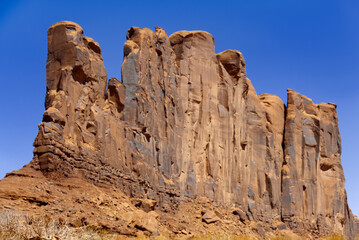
x=210 y=217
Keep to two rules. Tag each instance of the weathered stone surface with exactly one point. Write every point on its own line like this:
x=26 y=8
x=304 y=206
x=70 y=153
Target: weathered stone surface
x=242 y=216
x=184 y=124
x=146 y=204
x=210 y=217
x=312 y=176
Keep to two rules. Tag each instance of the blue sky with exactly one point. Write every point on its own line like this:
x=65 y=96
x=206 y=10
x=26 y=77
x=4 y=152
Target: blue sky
x=309 y=46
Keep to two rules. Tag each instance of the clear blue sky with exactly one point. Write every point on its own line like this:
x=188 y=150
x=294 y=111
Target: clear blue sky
x=309 y=46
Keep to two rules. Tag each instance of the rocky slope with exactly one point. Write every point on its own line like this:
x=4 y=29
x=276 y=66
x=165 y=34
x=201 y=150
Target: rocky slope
x=183 y=132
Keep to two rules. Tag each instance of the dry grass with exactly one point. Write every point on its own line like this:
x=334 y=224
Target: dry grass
x=334 y=236
x=281 y=238
x=16 y=227
x=222 y=237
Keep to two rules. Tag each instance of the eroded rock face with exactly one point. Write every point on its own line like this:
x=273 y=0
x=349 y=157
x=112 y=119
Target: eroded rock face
x=72 y=129
x=313 y=194
x=185 y=123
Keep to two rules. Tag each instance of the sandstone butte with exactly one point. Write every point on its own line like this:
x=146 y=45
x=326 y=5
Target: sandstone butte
x=181 y=146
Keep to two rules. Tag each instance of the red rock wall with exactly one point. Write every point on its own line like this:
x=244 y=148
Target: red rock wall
x=187 y=123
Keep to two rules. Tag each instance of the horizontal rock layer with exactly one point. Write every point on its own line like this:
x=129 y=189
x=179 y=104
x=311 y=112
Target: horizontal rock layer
x=185 y=123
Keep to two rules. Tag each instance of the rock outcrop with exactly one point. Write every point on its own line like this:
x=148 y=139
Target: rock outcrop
x=313 y=194
x=186 y=124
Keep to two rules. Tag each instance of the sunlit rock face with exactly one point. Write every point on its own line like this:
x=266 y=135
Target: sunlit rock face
x=185 y=123
x=313 y=194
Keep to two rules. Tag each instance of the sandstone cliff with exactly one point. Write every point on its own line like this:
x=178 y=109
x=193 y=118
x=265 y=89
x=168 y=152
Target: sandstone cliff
x=184 y=124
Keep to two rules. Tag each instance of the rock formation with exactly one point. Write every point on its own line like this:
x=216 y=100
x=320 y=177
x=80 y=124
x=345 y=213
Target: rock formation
x=313 y=194
x=186 y=124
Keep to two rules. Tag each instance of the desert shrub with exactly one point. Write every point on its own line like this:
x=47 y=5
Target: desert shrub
x=17 y=227
x=8 y=225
